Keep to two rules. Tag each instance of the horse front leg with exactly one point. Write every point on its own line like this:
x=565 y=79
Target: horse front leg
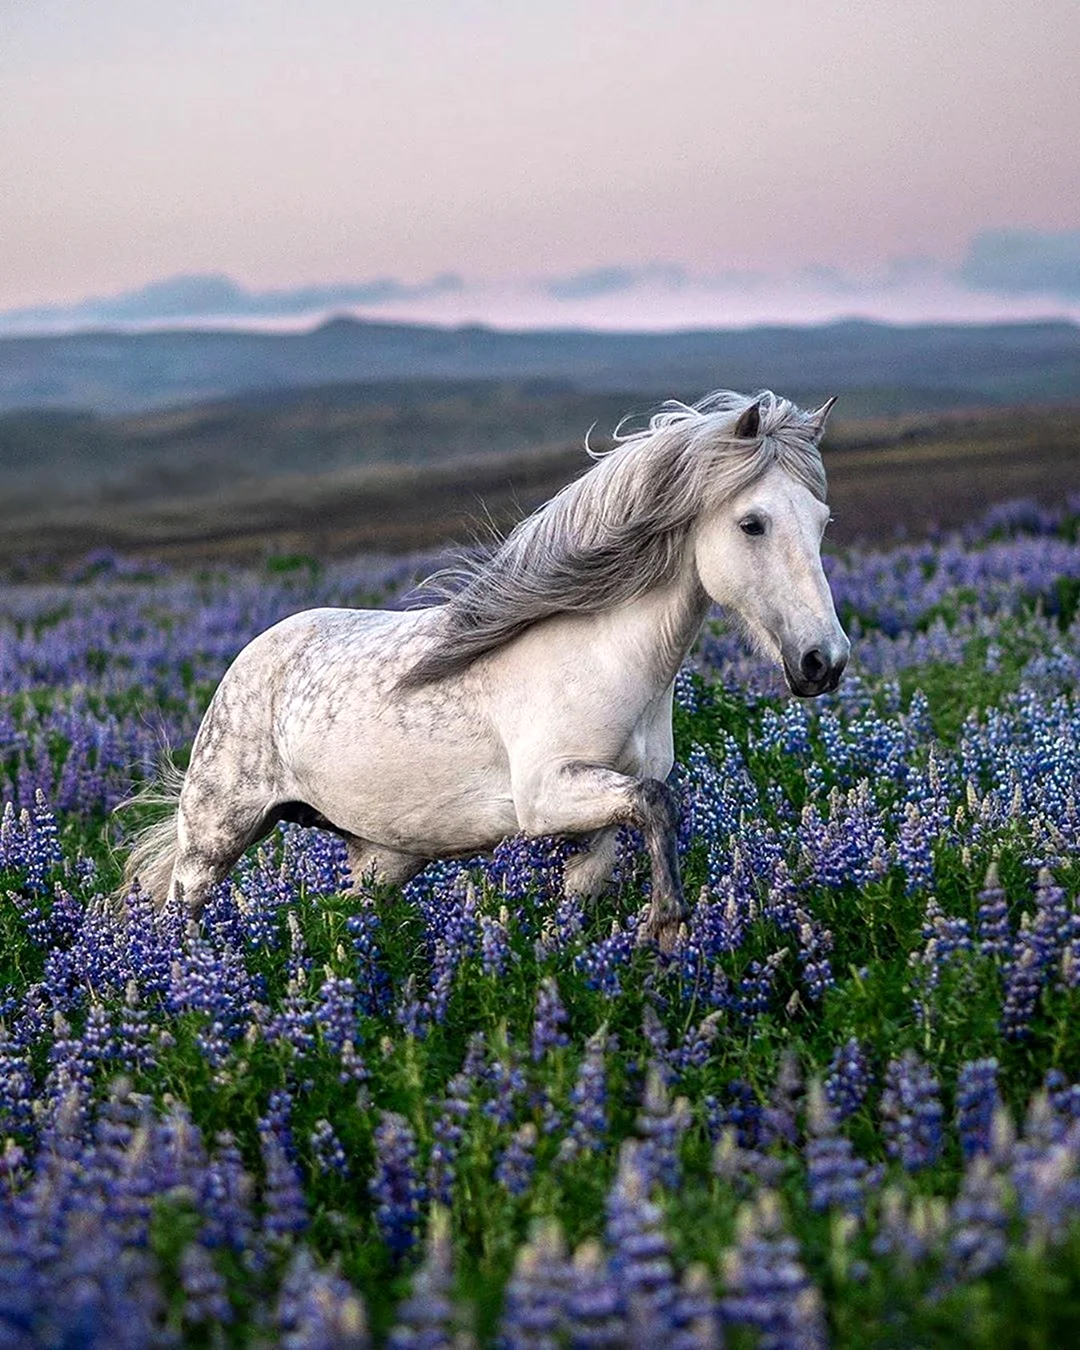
x=576 y=798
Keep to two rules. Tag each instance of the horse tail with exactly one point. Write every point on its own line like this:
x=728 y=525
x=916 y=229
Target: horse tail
x=153 y=848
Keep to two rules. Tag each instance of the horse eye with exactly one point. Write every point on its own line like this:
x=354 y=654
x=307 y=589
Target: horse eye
x=752 y=525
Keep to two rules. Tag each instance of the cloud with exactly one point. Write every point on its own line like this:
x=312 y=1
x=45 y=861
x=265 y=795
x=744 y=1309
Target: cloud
x=598 y=281
x=214 y=296
x=1006 y=276
x=1024 y=262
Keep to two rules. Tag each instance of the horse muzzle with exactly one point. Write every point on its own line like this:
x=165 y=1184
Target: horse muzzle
x=818 y=671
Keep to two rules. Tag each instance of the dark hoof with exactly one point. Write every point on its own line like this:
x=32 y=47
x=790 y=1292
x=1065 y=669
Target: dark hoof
x=663 y=933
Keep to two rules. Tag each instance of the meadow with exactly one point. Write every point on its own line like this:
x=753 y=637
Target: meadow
x=844 y=1110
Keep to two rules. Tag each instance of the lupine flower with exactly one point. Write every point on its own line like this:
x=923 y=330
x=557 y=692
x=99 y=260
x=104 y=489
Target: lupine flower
x=992 y=920
x=641 y=1254
x=285 y=1210
x=836 y=1178
x=594 y=1305
x=976 y=1102
x=911 y=1112
x=534 y=1307
x=767 y=1286
x=204 y=1288
x=318 y=1310
x=426 y=1319
x=696 y=1312
x=394 y=1187
x=326 y=1149
x=588 y=1101
x=548 y=1033
x=660 y=1126
x=517 y=1162
x=848 y=1079
x=976 y=1242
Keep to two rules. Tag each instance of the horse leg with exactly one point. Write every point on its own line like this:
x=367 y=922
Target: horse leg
x=385 y=866
x=213 y=829
x=589 y=872
x=576 y=798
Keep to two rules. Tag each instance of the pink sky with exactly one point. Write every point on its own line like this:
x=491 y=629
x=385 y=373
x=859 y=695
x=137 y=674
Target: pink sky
x=285 y=143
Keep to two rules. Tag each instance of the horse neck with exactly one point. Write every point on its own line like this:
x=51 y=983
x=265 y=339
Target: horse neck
x=657 y=630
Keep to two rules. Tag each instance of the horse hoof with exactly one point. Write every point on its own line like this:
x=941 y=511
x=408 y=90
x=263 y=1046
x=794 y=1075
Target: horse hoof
x=664 y=934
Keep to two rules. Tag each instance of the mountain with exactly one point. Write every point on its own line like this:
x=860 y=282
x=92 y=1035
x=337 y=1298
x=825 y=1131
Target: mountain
x=889 y=369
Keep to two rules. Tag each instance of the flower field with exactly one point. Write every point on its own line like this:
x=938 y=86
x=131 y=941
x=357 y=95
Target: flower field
x=845 y=1110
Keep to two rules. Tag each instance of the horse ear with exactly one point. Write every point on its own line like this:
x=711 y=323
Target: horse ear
x=821 y=415
x=749 y=423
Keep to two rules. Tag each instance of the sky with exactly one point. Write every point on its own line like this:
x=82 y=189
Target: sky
x=614 y=162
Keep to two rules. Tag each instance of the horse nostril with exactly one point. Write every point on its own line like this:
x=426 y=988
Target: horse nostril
x=814 y=667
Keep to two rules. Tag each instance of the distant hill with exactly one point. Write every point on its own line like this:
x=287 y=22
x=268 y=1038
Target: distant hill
x=911 y=473
x=883 y=369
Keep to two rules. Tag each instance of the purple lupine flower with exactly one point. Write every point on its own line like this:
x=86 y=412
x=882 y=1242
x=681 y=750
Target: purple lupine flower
x=976 y=1242
x=394 y=1187
x=767 y=1286
x=534 y=1306
x=508 y=1083
x=602 y=961
x=16 y=1084
x=318 y=1309
x=284 y=1207
x=495 y=951
x=757 y=984
x=992 y=916
x=911 y=1112
x=373 y=984
x=835 y=1177
x=226 y=1192
x=815 y=944
x=352 y=1068
x=742 y=1168
x=1039 y=944
x=698 y=1042
x=660 y=1126
x=848 y=1079
x=779 y=1120
x=641 y=1253
x=41 y=844
x=588 y=1101
x=134 y=1047
x=744 y=1114
x=426 y=1320
x=1046 y=1172
x=516 y=1163
x=696 y=1312
x=548 y=1023
x=327 y=1151
x=595 y=1318
x=206 y=1301
x=656 y=1036
x=336 y=1011
x=1064 y=1096
x=293 y=1024
x=448 y=1131
x=909 y=1228
x=977 y=1100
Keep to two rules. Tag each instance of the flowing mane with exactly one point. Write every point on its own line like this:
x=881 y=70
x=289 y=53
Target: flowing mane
x=620 y=529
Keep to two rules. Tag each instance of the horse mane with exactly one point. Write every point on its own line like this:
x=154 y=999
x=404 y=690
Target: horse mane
x=619 y=529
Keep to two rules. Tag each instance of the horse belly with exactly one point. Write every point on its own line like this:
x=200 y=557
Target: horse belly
x=406 y=797
x=420 y=772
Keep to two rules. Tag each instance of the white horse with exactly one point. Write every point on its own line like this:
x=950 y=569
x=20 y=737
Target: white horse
x=538 y=697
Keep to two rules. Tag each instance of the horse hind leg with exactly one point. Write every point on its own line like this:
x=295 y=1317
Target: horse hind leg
x=372 y=863
x=589 y=872
x=213 y=830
